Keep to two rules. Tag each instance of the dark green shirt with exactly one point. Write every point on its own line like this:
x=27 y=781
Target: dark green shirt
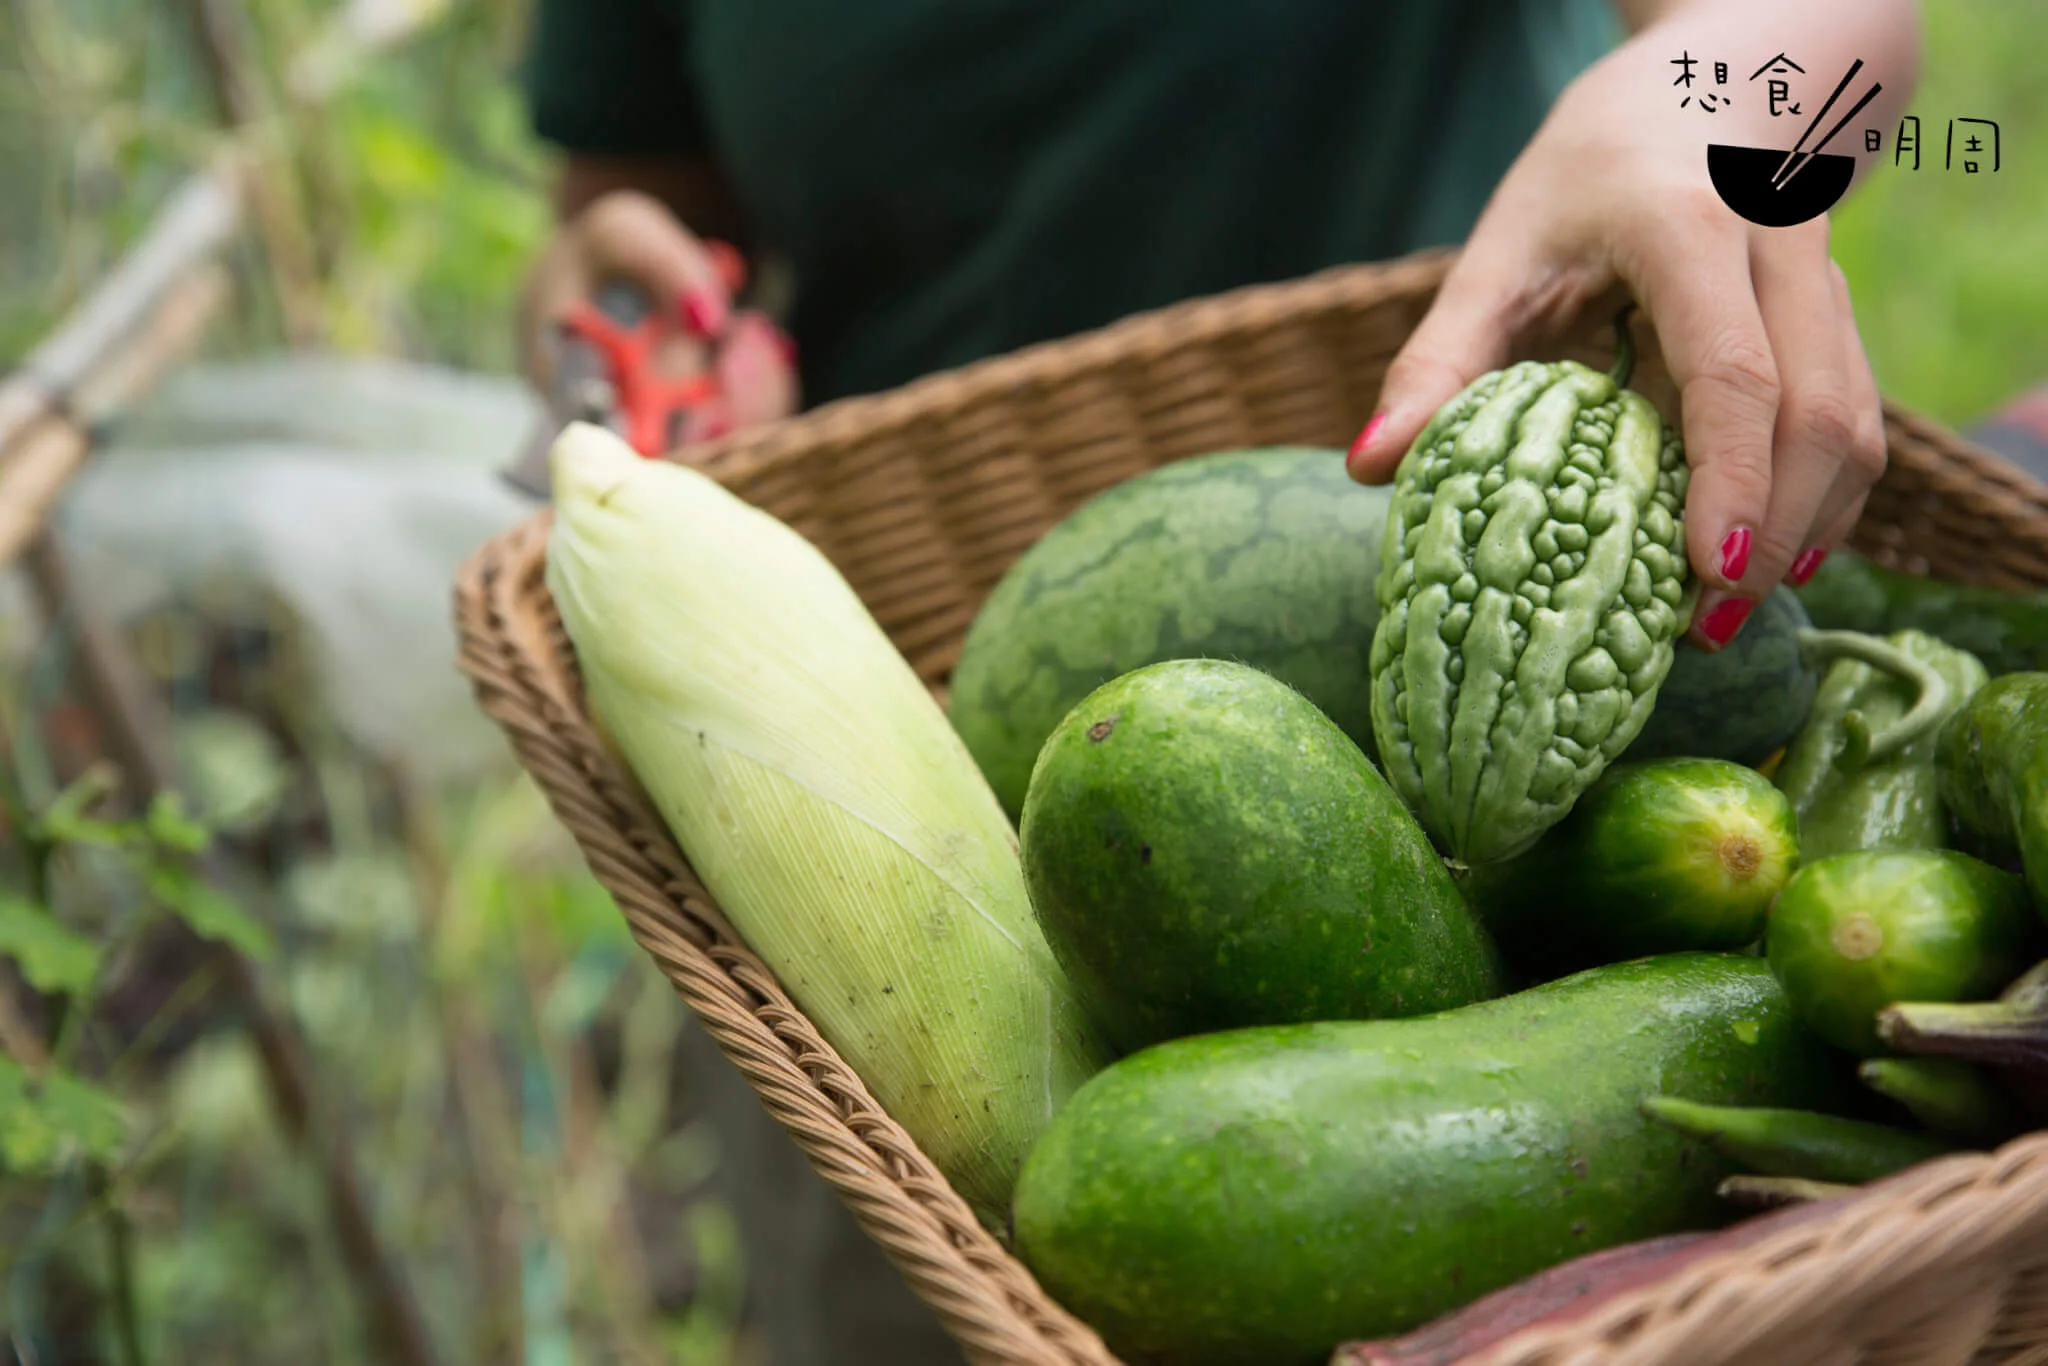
x=955 y=178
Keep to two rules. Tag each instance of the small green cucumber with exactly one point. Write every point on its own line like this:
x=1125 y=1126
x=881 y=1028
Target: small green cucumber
x=1993 y=768
x=1656 y=857
x=1853 y=933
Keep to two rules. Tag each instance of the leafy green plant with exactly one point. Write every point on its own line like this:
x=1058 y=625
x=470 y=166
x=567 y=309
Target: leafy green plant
x=56 y=1121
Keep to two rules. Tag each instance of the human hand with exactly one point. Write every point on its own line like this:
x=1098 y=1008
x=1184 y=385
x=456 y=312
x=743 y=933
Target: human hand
x=1782 y=421
x=625 y=234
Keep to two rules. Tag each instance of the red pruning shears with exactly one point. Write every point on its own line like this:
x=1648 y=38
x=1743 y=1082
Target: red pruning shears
x=605 y=373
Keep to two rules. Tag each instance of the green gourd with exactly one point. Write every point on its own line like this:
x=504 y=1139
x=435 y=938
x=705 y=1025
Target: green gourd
x=1532 y=580
x=1205 y=850
x=1257 y=1196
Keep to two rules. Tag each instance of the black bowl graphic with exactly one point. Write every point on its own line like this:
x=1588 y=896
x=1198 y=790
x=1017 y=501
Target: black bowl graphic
x=1742 y=175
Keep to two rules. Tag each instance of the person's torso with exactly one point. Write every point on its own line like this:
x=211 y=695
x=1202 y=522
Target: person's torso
x=955 y=178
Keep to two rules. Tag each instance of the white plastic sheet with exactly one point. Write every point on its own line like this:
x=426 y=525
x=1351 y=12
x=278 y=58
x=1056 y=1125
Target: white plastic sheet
x=348 y=490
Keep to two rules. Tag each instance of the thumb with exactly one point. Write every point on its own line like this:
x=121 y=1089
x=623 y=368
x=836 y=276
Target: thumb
x=1464 y=335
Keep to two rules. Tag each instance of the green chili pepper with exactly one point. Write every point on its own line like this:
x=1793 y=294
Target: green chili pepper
x=1950 y=1097
x=1799 y=1143
x=1861 y=773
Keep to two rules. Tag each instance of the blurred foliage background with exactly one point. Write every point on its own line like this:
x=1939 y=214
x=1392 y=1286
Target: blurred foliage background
x=1950 y=271
x=506 y=1062
x=509 y=1059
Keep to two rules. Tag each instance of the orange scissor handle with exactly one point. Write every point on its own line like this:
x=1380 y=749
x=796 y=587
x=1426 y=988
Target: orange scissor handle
x=626 y=331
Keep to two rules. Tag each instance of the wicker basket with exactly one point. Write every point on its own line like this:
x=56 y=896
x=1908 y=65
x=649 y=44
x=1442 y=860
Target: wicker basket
x=924 y=496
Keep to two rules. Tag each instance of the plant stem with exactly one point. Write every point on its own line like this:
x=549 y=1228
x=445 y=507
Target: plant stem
x=120 y=1263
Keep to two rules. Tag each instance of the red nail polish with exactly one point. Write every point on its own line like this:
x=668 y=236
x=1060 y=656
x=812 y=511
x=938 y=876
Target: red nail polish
x=1735 y=554
x=1810 y=559
x=1372 y=429
x=1726 y=618
x=786 y=345
x=703 y=312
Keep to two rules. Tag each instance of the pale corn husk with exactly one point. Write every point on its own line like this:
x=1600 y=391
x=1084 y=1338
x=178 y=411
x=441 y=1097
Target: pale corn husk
x=819 y=792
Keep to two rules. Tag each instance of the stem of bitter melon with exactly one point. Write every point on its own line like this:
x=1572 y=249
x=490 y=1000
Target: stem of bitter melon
x=1929 y=710
x=1624 y=348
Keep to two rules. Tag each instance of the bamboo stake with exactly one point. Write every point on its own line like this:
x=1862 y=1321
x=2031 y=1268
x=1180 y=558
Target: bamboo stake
x=358 y=31
x=222 y=40
x=200 y=218
x=39 y=466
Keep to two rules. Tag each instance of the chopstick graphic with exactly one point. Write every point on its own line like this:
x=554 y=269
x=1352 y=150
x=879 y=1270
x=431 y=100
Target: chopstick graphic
x=1840 y=123
x=1796 y=160
x=1814 y=122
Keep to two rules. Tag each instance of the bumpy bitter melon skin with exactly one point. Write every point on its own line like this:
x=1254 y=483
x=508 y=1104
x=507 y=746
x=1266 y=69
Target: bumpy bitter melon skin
x=1532 y=580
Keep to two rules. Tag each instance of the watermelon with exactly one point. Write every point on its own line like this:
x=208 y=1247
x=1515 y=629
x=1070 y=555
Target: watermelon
x=1741 y=702
x=1265 y=557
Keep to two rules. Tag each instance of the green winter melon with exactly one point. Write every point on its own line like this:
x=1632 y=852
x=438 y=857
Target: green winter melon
x=1206 y=851
x=1266 y=557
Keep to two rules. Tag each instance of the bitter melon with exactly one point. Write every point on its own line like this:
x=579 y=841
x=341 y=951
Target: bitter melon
x=1532 y=580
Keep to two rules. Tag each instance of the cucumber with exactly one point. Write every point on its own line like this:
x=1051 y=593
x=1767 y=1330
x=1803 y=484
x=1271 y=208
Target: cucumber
x=1656 y=857
x=1854 y=933
x=1991 y=764
x=1266 y=557
x=1206 y=850
x=1800 y=1144
x=1742 y=702
x=1259 y=1195
x=2007 y=630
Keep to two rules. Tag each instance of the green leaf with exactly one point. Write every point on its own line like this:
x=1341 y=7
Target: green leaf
x=51 y=957
x=66 y=820
x=211 y=915
x=171 y=828
x=43 y=1118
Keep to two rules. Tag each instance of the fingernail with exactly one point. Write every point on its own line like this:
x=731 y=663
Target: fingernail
x=1725 y=618
x=714 y=427
x=1372 y=429
x=1735 y=554
x=704 y=312
x=785 y=344
x=1803 y=568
